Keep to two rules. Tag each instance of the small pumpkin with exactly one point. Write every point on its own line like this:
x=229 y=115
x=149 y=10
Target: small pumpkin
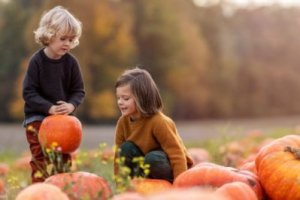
x=2 y=186
x=63 y=131
x=4 y=169
x=23 y=163
x=277 y=165
x=199 y=155
x=81 y=185
x=43 y=191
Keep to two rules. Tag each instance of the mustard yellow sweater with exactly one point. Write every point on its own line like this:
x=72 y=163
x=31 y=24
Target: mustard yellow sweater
x=158 y=131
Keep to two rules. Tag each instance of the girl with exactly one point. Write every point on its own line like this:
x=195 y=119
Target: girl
x=53 y=83
x=143 y=130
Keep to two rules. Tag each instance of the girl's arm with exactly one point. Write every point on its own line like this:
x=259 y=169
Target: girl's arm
x=171 y=143
x=119 y=139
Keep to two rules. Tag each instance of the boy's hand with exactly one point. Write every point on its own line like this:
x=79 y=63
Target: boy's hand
x=63 y=108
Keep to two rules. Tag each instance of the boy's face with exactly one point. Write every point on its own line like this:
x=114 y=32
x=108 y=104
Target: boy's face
x=59 y=46
x=126 y=102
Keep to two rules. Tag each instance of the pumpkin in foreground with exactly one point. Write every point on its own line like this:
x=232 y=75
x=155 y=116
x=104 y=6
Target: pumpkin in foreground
x=147 y=186
x=278 y=167
x=81 y=185
x=187 y=194
x=63 y=131
x=236 y=191
x=214 y=175
x=41 y=191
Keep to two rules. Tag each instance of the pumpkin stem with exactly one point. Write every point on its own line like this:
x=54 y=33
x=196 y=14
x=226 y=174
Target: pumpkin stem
x=292 y=150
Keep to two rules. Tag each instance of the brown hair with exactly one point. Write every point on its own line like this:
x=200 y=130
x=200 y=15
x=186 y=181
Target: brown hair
x=144 y=90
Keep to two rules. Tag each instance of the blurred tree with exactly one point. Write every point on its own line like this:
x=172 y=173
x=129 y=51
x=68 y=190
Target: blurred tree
x=13 y=15
x=157 y=34
x=269 y=62
x=188 y=79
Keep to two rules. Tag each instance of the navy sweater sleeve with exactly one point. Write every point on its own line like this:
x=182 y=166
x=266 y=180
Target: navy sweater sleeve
x=35 y=102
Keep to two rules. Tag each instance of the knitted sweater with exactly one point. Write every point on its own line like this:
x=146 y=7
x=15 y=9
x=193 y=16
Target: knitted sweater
x=48 y=81
x=155 y=132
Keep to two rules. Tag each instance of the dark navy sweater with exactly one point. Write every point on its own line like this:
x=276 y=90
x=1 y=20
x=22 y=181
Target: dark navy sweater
x=48 y=81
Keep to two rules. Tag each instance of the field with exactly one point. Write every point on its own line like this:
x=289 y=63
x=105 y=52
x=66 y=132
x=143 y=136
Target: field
x=218 y=137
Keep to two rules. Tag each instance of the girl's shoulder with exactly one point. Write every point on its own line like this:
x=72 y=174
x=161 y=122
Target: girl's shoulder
x=161 y=118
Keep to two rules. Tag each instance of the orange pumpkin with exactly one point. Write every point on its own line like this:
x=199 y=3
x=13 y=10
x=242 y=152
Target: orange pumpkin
x=237 y=191
x=4 y=168
x=23 y=163
x=188 y=194
x=146 y=186
x=43 y=191
x=210 y=174
x=2 y=186
x=128 y=196
x=277 y=166
x=81 y=185
x=250 y=166
x=62 y=130
x=199 y=155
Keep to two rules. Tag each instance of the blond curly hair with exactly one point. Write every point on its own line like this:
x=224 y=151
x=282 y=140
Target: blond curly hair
x=58 y=20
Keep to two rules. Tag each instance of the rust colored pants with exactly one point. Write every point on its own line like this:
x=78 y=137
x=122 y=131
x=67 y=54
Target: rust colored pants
x=40 y=160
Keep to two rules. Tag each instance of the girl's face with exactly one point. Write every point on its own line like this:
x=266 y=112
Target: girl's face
x=126 y=102
x=59 y=46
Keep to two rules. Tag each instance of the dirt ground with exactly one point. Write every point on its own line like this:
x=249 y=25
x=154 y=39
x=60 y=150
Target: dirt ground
x=12 y=136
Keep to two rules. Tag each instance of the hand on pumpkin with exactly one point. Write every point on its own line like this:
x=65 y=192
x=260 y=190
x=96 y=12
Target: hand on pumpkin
x=63 y=108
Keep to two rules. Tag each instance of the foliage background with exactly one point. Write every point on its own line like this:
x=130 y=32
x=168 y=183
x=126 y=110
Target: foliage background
x=218 y=61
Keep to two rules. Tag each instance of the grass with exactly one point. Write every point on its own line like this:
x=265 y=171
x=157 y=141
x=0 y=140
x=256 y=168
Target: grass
x=92 y=160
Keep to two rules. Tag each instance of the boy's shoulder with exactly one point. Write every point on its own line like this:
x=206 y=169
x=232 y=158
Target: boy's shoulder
x=37 y=55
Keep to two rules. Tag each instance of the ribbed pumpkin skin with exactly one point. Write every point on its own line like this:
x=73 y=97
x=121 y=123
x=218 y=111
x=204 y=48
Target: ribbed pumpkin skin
x=279 y=170
x=237 y=191
x=81 y=185
x=210 y=174
x=64 y=130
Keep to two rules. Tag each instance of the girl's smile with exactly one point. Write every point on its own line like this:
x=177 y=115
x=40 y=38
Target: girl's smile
x=126 y=102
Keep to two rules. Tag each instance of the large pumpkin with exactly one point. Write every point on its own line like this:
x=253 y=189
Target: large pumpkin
x=237 y=191
x=81 y=185
x=63 y=131
x=187 y=194
x=128 y=196
x=278 y=167
x=146 y=186
x=42 y=191
x=210 y=174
